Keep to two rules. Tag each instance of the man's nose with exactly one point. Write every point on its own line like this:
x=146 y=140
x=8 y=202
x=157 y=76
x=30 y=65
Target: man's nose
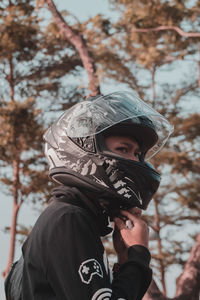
x=133 y=157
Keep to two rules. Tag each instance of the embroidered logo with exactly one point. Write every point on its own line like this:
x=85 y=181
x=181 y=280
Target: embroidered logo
x=102 y=294
x=88 y=269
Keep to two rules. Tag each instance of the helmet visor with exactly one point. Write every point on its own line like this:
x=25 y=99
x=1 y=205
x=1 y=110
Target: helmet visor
x=91 y=117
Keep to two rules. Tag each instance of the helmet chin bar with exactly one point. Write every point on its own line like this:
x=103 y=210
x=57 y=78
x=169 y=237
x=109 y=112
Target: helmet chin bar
x=112 y=185
x=108 y=200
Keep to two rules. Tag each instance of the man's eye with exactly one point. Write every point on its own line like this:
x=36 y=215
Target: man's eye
x=122 y=149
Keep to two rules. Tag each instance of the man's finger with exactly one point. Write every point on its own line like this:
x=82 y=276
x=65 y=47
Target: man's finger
x=135 y=211
x=119 y=223
x=130 y=216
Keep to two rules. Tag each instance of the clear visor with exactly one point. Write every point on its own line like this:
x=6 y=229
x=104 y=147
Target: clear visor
x=92 y=117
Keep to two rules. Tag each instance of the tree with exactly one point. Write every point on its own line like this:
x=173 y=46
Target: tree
x=77 y=40
x=20 y=154
x=32 y=64
x=148 y=37
x=151 y=50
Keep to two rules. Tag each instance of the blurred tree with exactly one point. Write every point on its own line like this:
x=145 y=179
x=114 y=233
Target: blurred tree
x=32 y=63
x=34 y=58
x=149 y=38
x=151 y=51
x=22 y=167
x=77 y=40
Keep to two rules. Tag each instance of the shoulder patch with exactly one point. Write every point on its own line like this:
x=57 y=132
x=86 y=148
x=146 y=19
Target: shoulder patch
x=88 y=269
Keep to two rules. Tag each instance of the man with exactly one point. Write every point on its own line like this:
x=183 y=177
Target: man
x=96 y=151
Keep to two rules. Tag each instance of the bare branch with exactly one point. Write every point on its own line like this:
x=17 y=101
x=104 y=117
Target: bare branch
x=77 y=40
x=175 y=28
x=183 y=91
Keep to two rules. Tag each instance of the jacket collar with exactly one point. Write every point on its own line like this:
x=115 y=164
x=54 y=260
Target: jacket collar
x=74 y=196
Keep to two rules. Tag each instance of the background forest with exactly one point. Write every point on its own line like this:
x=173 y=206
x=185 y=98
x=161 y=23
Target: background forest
x=51 y=59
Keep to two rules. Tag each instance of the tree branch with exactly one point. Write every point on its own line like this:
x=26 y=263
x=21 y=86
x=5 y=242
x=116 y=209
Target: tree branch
x=77 y=40
x=175 y=28
x=183 y=91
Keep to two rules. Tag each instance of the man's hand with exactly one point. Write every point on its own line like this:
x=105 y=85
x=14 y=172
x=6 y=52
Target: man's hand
x=130 y=230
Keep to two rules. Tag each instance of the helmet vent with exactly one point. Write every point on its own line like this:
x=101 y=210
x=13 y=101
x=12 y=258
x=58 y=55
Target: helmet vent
x=85 y=143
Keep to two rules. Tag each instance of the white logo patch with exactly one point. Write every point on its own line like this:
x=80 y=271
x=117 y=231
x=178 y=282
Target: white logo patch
x=102 y=294
x=88 y=269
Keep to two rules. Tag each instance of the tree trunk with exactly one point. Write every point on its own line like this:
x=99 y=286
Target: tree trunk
x=153 y=86
x=188 y=283
x=199 y=68
x=154 y=293
x=16 y=207
x=157 y=225
x=77 y=40
x=11 y=79
x=12 y=239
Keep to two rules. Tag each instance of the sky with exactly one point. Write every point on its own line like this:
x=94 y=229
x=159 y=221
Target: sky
x=27 y=216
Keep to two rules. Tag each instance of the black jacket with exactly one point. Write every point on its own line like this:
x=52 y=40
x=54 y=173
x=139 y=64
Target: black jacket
x=63 y=256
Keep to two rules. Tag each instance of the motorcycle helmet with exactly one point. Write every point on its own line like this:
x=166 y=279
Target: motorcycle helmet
x=77 y=154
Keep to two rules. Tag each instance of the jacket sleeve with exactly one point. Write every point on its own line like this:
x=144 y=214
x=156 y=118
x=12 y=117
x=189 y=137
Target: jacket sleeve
x=75 y=267
x=133 y=278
